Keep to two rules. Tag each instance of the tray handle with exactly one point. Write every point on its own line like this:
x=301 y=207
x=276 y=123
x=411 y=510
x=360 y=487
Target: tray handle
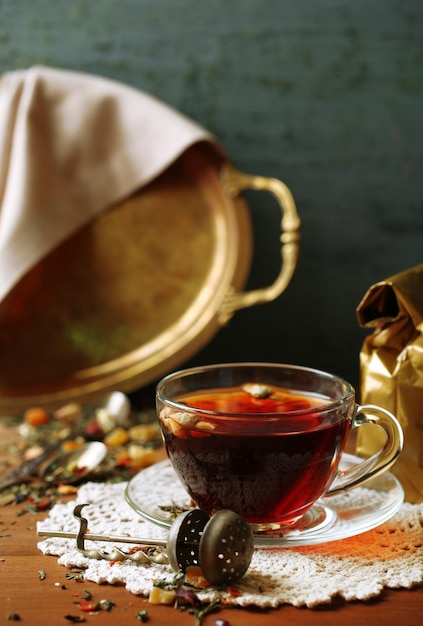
x=234 y=182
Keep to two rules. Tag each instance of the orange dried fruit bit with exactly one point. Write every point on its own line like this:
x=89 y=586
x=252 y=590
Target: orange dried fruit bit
x=203 y=429
x=36 y=416
x=66 y=490
x=118 y=437
x=194 y=577
x=234 y=592
x=88 y=606
x=141 y=457
x=144 y=432
x=176 y=429
x=72 y=444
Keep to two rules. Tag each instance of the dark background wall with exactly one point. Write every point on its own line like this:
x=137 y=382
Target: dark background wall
x=326 y=96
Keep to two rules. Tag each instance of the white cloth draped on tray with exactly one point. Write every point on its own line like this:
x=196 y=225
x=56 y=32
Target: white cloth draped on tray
x=71 y=146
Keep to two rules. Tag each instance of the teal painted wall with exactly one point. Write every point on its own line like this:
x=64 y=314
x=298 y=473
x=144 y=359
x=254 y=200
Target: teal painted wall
x=326 y=95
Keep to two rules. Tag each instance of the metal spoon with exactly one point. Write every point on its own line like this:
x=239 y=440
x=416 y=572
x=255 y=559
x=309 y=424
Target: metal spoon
x=73 y=466
x=117 y=406
x=221 y=545
x=26 y=470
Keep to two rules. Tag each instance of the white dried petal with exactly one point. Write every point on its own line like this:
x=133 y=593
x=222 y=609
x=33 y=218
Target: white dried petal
x=105 y=420
x=166 y=412
x=32 y=452
x=69 y=412
x=205 y=426
x=24 y=430
x=184 y=418
x=257 y=390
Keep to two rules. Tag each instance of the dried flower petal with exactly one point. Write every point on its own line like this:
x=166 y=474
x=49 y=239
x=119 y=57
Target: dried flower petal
x=188 y=597
x=257 y=390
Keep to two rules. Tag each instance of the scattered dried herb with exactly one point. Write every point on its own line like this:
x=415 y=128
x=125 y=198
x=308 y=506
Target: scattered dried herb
x=174 y=509
x=106 y=605
x=187 y=599
x=75 y=574
x=200 y=613
x=42 y=575
x=85 y=423
x=175 y=583
x=142 y=616
x=38 y=498
x=13 y=617
x=7 y=498
x=75 y=619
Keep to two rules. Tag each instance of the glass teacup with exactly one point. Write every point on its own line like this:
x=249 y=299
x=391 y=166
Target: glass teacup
x=265 y=440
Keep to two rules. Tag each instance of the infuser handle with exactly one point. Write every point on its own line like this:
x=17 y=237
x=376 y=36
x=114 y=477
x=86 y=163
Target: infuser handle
x=234 y=182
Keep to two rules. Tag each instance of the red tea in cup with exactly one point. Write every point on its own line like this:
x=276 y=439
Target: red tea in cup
x=264 y=441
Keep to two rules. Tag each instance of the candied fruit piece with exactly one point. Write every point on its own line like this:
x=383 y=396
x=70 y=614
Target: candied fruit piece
x=36 y=416
x=118 y=437
x=161 y=596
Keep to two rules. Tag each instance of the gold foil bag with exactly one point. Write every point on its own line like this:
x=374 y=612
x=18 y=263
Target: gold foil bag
x=391 y=369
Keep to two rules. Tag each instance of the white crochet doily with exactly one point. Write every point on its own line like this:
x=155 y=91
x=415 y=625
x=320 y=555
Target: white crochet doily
x=357 y=568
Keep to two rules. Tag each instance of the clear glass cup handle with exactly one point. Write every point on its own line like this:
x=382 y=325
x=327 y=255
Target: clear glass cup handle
x=382 y=460
x=234 y=182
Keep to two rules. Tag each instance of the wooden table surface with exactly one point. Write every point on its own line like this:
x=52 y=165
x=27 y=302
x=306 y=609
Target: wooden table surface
x=39 y=602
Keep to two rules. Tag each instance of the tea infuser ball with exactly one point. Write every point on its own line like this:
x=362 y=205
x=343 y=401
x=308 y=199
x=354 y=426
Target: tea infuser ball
x=221 y=545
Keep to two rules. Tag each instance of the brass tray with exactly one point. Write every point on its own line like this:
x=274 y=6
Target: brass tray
x=140 y=289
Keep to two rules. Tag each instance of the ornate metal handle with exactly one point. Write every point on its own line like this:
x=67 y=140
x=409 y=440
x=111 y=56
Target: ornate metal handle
x=234 y=182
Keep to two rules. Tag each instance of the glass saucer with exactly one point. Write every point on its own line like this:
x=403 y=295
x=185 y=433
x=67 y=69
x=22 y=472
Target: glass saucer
x=156 y=493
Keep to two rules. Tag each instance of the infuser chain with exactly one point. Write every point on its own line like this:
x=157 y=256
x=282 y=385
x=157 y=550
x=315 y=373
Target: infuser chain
x=117 y=554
